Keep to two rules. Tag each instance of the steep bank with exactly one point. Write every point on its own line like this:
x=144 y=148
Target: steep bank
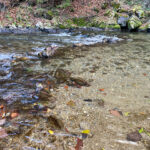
x=44 y=14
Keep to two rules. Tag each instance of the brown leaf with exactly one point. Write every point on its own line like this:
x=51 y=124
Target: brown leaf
x=79 y=144
x=115 y=113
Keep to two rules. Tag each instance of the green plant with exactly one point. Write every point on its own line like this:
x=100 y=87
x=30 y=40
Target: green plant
x=80 y=21
x=96 y=10
x=65 y=4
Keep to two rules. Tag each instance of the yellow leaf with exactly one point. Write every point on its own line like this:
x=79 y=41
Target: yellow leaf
x=126 y=114
x=86 y=131
x=51 y=132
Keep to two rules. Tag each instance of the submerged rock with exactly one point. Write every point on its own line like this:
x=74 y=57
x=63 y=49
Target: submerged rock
x=48 y=52
x=134 y=136
x=62 y=75
x=77 y=82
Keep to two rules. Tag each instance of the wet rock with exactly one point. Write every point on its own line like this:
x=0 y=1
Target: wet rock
x=78 y=82
x=55 y=123
x=87 y=100
x=134 y=22
x=62 y=75
x=123 y=21
x=48 y=52
x=44 y=96
x=134 y=136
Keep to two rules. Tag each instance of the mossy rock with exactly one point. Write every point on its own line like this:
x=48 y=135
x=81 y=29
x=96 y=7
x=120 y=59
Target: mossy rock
x=140 y=13
x=121 y=15
x=143 y=27
x=122 y=10
x=147 y=13
x=136 y=7
x=113 y=26
x=134 y=22
x=104 y=5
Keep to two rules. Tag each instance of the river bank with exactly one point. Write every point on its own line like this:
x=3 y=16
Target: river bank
x=114 y=15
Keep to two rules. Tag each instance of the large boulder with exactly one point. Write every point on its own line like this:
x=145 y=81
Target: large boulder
x=134 y=23
x=123 y=21
x=145 y=27
x=140 y=13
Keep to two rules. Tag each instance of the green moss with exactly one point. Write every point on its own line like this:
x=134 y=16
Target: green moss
x=108 y=12
x=113 y=26
x=65 y=4
x=61 y=26
x=80 y=22
x=50 y=13
x=103 y=25
x=134 y=23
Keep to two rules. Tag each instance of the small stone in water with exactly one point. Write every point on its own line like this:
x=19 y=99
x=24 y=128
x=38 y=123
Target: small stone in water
x=87 y=100
x=3 y=133
x=134 y=136
x=71 y=103
x=14 y=115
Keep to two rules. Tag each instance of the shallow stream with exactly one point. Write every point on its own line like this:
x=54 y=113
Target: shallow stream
x=117 y=71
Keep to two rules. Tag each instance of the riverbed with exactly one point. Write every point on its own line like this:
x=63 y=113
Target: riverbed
x=54 y=113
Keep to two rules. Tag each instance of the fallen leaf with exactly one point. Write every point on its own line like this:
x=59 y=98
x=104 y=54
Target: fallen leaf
x=142 y=113
x=3 y=133
x=126 y=114
x=101 y=90
x=51 y=132
x=1 y=106
x=144 y=74
x=115 y=113
x=141 y=130
x=71 y=103
x=79 y=144
x=14 y=115
x=66 y=87
x=86 y=131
